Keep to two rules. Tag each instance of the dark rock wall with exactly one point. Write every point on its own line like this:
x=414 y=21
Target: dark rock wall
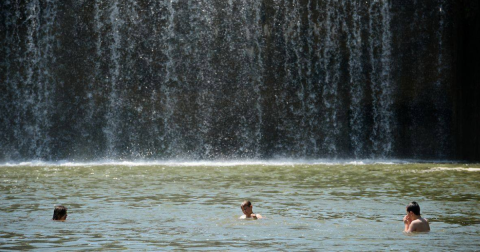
x=467 y=80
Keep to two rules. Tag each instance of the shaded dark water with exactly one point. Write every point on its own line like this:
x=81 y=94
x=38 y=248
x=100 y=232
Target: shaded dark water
x=196 y=206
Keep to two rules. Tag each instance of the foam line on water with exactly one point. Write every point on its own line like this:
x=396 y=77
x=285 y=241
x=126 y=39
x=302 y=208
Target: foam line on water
x=469 y=169
x=190 y=163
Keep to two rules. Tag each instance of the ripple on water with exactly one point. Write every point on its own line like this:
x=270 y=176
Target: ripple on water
x=346 y=207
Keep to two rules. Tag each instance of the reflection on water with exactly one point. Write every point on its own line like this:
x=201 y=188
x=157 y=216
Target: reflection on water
x=343 y=206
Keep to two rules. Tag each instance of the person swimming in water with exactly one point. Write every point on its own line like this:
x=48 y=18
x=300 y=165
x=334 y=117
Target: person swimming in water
x=413 y=221
x=247 y=209
x=60 y=213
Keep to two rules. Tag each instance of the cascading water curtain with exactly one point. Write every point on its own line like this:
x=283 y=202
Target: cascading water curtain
x=225 y=79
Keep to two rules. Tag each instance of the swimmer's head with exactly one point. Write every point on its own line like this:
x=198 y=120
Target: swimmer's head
x=247 y=207
x=413 y=207
x=60 y=213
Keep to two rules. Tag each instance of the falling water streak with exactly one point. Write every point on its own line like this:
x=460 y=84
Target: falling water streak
x=97 y=80
x=29 y=117
x=45 y=81
x=98 y=31
x=97 y=93
x=204 y=98
x=228 y=35
x=278 y=100
x=247 y=55
x=248 y=78
x=357 y=117
x=319 y=67
x=311 y=101
x=112 y=130
x=387 y=85
x=375 y=80
x=287 y=69
x=293 y=78
x=331 y=66
x=258 y=66
x=287 y=30
x=440 y=32
x=6 y=109
x=154 y=141
x=324 y=57
x=440 y=105
x=205 y=125
x=171 y=79
x=132 y=23
x=298 y=49
x=5 y=49
x=419 y=78
x=170 y=36
x=18 y=131
x=336 y=124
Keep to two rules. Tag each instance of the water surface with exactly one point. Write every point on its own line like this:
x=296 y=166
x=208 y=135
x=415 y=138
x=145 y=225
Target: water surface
x=195 y=206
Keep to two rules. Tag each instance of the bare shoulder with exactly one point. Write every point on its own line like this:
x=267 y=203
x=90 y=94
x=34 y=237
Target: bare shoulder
x=420 y=225
x=258 y=216
x=423 y=221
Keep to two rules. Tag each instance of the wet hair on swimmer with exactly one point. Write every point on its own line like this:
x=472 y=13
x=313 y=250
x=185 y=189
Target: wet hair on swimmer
x=413 y=207
x=246 y=203
x=59 y=212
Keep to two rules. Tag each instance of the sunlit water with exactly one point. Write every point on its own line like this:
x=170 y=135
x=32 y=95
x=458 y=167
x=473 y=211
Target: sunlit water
x=195 y=206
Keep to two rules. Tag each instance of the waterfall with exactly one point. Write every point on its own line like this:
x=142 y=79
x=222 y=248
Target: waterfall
x=145 y=79
x=115 y=100
x=356 y=83
x=381 y=85
x=331 y=70
x=387 y=86
x=258 y=69
x=31 y=93
x=311 y=110
x=29 y=121
x=294 y=91
x=10 y=48
x=203 y=20
x=441 y=131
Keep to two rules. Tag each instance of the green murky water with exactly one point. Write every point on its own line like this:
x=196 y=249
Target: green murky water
x=196 y=207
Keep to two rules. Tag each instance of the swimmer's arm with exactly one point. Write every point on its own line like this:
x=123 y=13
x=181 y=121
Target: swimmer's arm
x=407 y=223
x=412 y=228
